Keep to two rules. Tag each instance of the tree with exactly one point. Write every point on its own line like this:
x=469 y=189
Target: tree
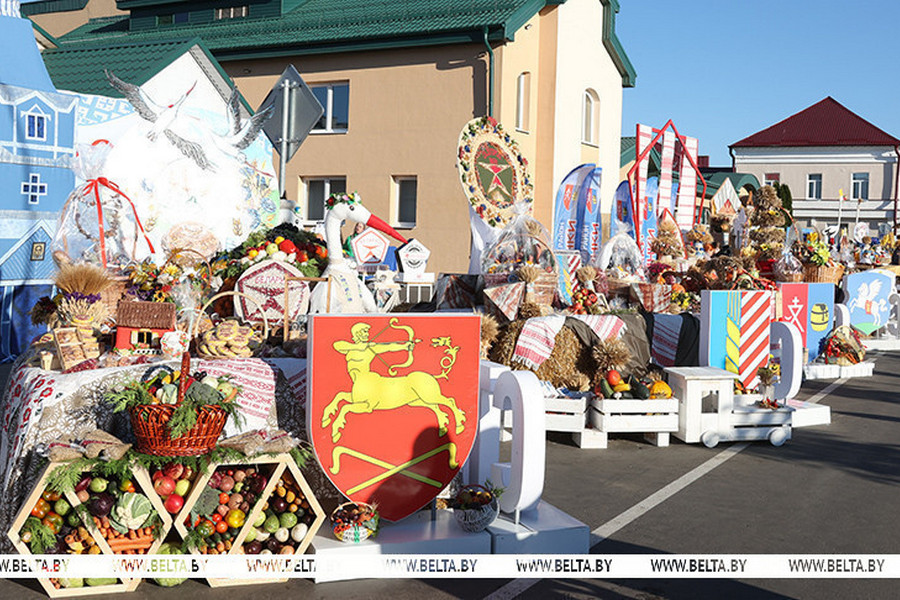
x=784 y=193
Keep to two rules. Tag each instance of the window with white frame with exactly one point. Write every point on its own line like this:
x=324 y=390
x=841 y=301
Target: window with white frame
x=35 y=126
x=771 y=178
x=860 y=187
x=523 y=101
x=405 y=198
x=335 y=99
x=591 y=118
x=317 y=191
x=814 y=186
x=232 y=12
x=33 y=188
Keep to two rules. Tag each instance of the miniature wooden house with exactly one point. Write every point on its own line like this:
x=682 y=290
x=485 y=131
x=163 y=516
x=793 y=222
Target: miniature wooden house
x=139 y=325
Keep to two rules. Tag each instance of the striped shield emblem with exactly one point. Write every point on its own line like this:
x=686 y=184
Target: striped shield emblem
x=735 y=332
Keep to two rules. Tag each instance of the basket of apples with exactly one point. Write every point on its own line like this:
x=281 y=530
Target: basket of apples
x=172 y=484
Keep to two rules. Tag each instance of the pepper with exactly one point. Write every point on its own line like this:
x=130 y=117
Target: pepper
x=206 y=528
x=235 y=518
x=50 y=496
x=40 y=509
x=53 y=521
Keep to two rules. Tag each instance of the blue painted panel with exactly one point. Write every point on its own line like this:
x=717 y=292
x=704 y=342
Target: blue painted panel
x=715 y=324
x=821 y=316
x=20 y=266
x=22 y=64
x=58 y=183
x=6 y=122
x=16 y=329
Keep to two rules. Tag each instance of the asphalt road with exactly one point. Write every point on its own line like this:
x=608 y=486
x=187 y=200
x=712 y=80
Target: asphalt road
x=830 y=490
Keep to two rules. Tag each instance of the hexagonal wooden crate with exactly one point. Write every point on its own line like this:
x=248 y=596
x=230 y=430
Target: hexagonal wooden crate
x=142 y=481
x=185 y=509
x=125 y=585
x=288 y=466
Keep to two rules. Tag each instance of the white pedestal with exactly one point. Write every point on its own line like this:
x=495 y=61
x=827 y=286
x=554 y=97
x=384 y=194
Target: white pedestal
x=807 y=415
x=821 y=371
x=886 y=344
x=545 y=530
x=417 y=534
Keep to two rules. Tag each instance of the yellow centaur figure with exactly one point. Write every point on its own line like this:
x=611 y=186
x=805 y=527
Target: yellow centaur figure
x=372 y=391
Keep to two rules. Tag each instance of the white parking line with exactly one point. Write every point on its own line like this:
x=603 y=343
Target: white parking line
x=518 y=586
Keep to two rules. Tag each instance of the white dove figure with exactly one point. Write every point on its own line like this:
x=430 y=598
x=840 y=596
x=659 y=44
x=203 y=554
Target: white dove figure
x=348 y=293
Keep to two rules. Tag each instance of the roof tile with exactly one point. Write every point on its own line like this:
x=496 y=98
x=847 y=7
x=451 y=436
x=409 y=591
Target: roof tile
x=825 y=123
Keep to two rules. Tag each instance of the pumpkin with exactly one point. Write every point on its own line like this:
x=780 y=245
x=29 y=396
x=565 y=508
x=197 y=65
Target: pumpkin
x=660 y=389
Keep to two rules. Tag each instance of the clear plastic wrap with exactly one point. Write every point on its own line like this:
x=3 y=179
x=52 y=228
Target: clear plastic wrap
x=98 y=224
x=788 y=266
x=621 y=258
x=524 y=241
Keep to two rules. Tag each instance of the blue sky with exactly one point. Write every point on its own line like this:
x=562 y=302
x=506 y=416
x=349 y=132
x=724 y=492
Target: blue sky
x=724 y=69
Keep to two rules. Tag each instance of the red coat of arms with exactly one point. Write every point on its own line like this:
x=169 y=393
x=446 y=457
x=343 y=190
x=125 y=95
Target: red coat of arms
x=393 y=404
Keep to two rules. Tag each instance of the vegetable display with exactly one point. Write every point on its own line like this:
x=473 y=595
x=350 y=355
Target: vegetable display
x=284 y=522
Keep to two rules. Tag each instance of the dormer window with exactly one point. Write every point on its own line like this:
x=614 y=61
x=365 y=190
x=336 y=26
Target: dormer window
x=233 y=12
x=36 y=124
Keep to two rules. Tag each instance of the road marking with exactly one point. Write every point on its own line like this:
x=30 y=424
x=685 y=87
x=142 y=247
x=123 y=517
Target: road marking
x=518 y=586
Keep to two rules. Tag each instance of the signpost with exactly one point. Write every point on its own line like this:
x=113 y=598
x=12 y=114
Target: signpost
x=295 y=111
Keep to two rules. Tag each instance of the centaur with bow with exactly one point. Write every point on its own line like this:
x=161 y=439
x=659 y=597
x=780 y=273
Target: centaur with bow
x=372 y=391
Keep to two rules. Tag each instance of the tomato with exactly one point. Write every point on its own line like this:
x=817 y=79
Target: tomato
x=235 y=518
x=613 y=377
x=221 y=527
x=50 y=496
x=40 y=509
x=53 y=521
x=206 y=528
x=216 y=517
x=223 y=498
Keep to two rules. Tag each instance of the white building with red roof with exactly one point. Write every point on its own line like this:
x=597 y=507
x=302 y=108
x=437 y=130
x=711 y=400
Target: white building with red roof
x=820 y=152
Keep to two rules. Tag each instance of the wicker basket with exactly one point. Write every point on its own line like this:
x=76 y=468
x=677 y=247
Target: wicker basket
x=823 y=273
x=789 y=277
x=478 y=519
x=151 y=431
x=355 y=533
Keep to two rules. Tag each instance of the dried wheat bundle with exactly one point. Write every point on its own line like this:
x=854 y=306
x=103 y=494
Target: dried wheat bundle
x=83 y=278
x=529 y=273
x=610 y=354
x=586 y=274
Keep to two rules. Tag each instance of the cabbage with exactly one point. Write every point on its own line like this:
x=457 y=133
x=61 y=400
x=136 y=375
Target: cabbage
x=168 y=548
x=132 y=510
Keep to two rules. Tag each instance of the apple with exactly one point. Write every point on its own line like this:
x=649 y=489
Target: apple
x=271 y=249
x=174 y=503
x=182 y=487
x=164 y=486
x=174 y=470
x=98 y=484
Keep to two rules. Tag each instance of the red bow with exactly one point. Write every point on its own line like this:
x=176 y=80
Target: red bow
x=93 y=185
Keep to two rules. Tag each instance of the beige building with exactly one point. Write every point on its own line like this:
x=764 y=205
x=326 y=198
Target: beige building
x=398 y=83
x=821 y=151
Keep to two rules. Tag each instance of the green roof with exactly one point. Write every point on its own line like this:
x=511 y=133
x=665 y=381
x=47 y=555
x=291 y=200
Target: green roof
x=79 y=68
x=738 y=180
x=333 y=25
x=51 y=6
x=627 y=153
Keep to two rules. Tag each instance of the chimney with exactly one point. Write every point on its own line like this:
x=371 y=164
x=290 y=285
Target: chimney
x=703 y=161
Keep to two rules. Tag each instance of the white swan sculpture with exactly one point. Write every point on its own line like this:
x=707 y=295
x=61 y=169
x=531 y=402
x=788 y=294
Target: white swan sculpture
x=348 y=293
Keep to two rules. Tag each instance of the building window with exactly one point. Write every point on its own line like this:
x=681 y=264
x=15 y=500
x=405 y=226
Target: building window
x=35 y=127
x=233 y=12
x=317 y=191
x=860 y=186
x=523 y=101
x=165 y=19
x=814 y=186
x=771 y=178
x=33 y=189
x=335 y=99
x=405 y=201
x=591 y=120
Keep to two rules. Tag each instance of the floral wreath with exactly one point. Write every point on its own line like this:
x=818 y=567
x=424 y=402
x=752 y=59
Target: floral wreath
x=342 y=198
x=487 y=129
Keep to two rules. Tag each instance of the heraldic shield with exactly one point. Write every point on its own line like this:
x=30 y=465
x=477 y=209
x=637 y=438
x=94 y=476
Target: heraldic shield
x=393 y=404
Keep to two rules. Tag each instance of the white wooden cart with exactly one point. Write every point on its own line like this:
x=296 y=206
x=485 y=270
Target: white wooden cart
x=709 y=413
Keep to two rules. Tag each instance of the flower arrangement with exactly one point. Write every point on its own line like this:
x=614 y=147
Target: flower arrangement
x=154 y=283
x=817 y=252
x=342 y=198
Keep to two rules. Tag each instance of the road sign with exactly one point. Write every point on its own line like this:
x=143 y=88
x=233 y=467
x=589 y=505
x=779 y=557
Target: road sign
x=287 y=129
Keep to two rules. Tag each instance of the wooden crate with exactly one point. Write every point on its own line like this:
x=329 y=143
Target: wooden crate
x=125 y=585
x=565 y=414
x=291 y=471
x=654 y=418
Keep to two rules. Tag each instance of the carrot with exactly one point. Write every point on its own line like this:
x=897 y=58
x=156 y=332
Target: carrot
x=132 y=534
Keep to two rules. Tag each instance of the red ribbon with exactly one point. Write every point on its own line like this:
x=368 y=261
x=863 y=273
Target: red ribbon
x=93 y=185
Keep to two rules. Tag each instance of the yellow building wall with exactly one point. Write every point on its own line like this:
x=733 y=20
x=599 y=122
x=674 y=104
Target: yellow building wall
x=406 y=110
x=57 y=24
